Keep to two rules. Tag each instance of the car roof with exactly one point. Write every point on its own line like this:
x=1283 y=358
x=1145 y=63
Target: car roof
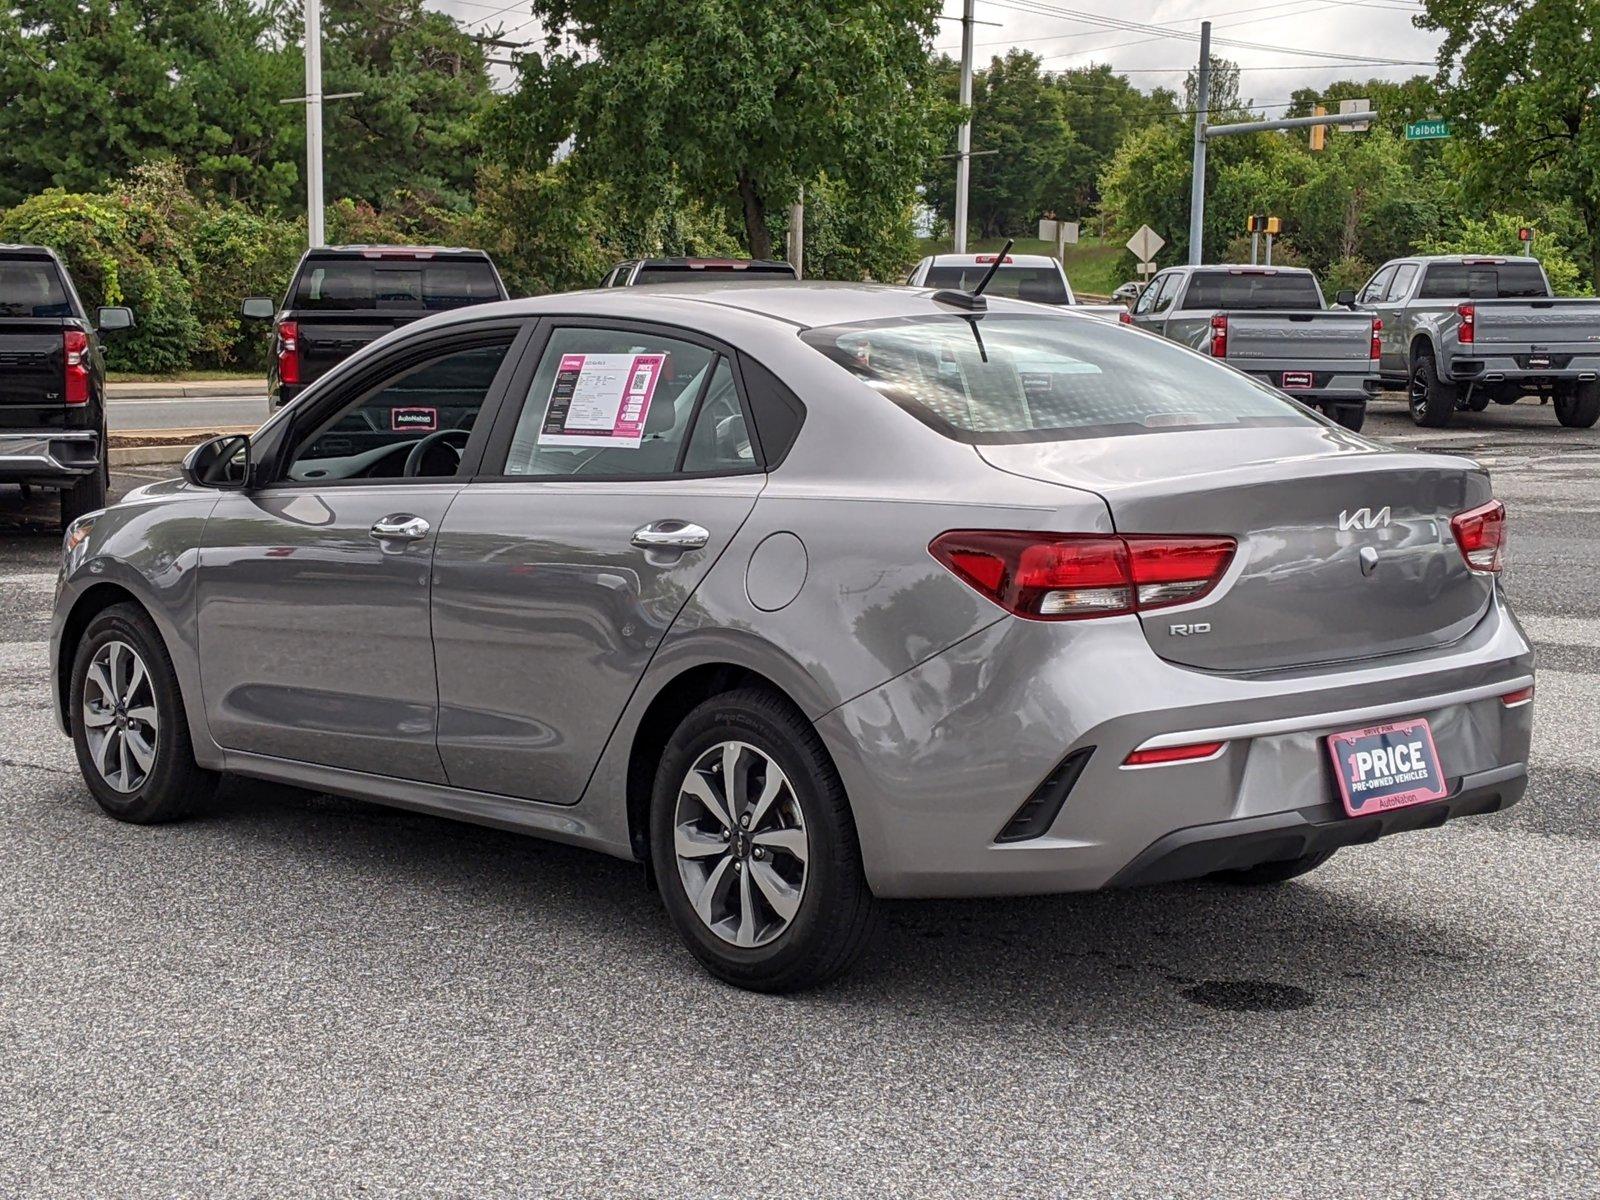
x=32 y=251
x=361 y=249
x=1468 y=258
x=1252 y=268
x=737 y=264
x=798 y=304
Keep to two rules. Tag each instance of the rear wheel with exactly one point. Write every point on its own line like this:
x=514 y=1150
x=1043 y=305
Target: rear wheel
x=84 y=496
x=1273 y=872
x=128 y=722
x=754 y=847
x=1578 y=407
x=1432 y=401
x=1351 y=416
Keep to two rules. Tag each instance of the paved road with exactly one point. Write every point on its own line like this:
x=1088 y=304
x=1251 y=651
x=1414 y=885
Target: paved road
x=187 y=412
x=298 y=995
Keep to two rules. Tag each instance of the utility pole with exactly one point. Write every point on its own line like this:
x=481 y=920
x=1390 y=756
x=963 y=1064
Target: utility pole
x=1197 y=185
x=797 y=234
x=314 y=206
x=964 y=138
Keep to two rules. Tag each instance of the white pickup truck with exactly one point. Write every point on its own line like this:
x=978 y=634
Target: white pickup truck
x=1035 y=277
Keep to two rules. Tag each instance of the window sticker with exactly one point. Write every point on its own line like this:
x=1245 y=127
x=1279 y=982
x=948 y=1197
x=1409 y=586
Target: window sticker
x=422 y=420
x=601 y=400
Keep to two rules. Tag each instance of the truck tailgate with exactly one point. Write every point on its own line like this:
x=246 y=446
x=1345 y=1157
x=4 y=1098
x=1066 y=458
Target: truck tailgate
x=1563 y=326
x=32 y=370
x=1308 y=337
x=327 y=339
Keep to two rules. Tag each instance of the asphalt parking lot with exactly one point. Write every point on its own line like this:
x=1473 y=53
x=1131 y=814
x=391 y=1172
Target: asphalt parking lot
x=296 y=995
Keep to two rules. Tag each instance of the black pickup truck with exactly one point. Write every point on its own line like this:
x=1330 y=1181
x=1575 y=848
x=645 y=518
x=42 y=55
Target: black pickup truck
x=343 y=297
x=52 y=381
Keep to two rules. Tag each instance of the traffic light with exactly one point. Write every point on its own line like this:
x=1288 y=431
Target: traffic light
x=1273 y=226
x=1257 y=223
x=1319 y=133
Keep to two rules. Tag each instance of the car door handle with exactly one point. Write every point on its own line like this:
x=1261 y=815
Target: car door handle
x=670 y=535
x=400 y=527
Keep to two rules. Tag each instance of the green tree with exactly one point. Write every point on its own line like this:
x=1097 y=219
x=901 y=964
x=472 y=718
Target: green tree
x=1519 y=79
x=1496 y=233
x=1102 y=108
x=737 y=102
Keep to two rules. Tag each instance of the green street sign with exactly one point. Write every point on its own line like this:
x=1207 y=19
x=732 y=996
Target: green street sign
x=1421 y=131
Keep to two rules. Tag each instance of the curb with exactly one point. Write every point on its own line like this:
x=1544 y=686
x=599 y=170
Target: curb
x=140 y=456
x=216 y=387
x=169 y=445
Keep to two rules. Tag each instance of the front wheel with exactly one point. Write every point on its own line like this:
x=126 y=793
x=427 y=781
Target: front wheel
x=128 y=722
x=1433 y=401
x=754 y=847
x=1578 y=407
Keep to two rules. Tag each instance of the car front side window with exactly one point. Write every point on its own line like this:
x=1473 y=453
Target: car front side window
x=1376 y=287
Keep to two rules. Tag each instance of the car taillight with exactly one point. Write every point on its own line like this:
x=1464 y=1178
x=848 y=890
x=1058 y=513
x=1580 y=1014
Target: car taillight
x=75 y=343
x=1219 y=337
x=1377 y=342
x=1070 y=576
x=1481 y=534
x=1161 y=756
x=1125 y=318
x=289 y=351
x=1469 y=322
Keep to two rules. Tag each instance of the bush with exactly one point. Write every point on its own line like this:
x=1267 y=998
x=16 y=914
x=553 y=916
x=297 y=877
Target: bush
x=1497 y=234
x=239 y=254
x=120 y=249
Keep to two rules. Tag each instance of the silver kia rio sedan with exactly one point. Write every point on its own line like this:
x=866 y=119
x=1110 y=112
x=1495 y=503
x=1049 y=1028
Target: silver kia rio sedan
x=808 y=595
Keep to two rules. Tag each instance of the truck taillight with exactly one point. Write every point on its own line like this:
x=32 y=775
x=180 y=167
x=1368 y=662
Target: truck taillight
x=1219 y=337
x=76 y=345
x=288 y=351
x=1469 y=321
x=1072 y=576
x=1377 y=342
x=1124 y=318
x=1481 y=534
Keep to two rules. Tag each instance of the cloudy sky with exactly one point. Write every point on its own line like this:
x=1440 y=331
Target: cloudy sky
x=1295 y=41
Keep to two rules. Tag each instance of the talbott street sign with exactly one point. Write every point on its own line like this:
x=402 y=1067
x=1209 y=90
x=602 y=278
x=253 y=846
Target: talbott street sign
x=1145 y=244
x=1422 y=131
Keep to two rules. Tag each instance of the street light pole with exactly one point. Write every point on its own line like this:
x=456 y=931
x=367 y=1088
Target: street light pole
x=314 y=206
x=1197 y=185
x=964 y=138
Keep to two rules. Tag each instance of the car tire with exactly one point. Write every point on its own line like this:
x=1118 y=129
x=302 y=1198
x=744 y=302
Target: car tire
x=1263 y=874
x=1579 y=406
x=767 y=892
x=84 y=496
x=1432 y=401
x=129 y=726
x=1351 y=416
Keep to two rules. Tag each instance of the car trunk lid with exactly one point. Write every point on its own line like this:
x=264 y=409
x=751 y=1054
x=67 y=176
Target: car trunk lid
x=1345 y=549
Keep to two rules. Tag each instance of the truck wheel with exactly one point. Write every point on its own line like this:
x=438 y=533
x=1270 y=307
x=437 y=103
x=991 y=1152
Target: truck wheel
x=88 y=494
x=1433 y=402
x=1351 y=416
x=1579 y=408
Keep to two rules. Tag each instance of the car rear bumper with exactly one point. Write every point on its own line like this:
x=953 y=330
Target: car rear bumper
x=1342 y=386
x=1562 y=367
x=49 y=456
x=939 y=760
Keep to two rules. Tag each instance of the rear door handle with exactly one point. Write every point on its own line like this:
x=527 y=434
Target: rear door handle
x=670 y=535
x=400 y=527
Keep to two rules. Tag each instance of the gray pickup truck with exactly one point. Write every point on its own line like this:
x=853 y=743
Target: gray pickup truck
x=1462 y=331
x=1273 y=324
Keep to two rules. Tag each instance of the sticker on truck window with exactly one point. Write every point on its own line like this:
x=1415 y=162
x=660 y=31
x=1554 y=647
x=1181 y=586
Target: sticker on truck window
x=601 y=400
x=414 y=420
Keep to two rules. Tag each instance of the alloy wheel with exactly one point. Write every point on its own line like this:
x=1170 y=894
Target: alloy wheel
x=740 y=840
x=119 y=716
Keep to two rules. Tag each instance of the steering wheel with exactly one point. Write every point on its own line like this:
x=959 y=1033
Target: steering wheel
x=417 y=459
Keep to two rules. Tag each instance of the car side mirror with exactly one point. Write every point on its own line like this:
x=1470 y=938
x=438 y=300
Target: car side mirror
x=113 y=318
x=223 y=462
x=1346 y=298
x=258 y=308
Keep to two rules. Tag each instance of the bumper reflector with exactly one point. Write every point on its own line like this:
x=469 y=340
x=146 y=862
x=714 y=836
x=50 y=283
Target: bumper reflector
x=1518 y=698
x=1163 y=756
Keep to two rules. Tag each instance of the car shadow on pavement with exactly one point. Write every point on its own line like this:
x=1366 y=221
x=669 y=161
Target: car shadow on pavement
x=1110 y=959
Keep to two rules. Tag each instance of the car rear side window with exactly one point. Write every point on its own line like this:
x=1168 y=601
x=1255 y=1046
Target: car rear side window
x=1042 y=285
x=349 y=284
x=1251 y=290
x=1006 y=377
x=32 y=288
x=1483 y=281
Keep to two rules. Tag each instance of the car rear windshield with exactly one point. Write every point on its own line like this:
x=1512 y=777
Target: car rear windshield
x=32 y=288
x=362 y=284
x=680 y=272
x=1251 y=290
x=1483 y=281
x=1042 y=285
x=1013 y=377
